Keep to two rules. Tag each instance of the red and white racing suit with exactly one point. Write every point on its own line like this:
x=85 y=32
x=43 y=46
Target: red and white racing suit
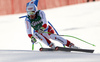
x=44 y=37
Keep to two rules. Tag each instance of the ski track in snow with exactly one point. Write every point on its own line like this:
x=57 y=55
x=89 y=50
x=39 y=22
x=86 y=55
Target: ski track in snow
x=82 y=21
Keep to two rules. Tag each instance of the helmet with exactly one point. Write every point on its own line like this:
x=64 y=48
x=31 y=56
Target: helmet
x=31 y=8
x=32 y=0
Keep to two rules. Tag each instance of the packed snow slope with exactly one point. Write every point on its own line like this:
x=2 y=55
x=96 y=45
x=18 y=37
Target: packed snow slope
x=82 y=21
x=36 y=56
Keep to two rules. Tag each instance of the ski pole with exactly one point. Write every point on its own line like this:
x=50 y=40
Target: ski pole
x=78 y=39
x=32 y=46
x=40 y=44
x=36 y=43
x=73 y=37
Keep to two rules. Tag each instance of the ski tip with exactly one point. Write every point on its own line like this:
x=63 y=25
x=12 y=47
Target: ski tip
x=41 y=49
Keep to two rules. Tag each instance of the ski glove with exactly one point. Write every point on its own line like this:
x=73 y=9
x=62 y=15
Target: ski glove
x=33 y=40
x=41 y=30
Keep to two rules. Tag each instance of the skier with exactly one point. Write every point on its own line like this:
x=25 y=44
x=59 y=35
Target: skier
x=36 y=19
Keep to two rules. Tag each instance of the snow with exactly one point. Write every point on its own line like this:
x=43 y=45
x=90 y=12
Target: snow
x=80 y=20
x=36 y=56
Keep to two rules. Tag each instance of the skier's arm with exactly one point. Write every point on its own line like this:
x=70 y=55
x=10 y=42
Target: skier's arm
x=44 y=25
x=43 y=18
x=28 y=28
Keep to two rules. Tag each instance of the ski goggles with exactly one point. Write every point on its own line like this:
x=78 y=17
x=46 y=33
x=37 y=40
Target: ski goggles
x=31 y=13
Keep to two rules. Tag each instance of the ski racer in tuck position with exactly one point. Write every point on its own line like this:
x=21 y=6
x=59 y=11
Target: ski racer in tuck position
x=36 y=19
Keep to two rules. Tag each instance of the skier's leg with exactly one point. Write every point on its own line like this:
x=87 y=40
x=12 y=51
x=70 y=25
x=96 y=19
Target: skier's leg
x=56 y=37
x=44 y=40
x=63 y=41
x=48 y=41
x=60 y=39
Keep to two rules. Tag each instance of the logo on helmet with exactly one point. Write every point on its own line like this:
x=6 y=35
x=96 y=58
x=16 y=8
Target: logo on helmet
x=30 y=8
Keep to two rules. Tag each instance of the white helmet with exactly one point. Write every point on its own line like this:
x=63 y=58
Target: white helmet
x=31 y=7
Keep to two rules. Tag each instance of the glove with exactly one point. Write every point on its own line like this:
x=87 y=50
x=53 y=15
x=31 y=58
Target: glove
x=33 y=40
x=41 y=30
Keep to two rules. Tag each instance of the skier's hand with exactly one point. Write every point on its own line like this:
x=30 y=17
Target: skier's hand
x=33 y=40
x=41 y=30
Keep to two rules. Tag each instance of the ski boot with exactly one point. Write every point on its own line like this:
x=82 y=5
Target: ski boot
x=52 y=45
x=71 y=45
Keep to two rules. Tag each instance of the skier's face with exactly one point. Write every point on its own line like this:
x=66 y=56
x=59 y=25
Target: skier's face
x=31 y=14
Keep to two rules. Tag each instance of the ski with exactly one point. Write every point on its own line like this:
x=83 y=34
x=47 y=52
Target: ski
x=50 y=49
x=72 y=49
x=47 y=49
x=67 y=49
